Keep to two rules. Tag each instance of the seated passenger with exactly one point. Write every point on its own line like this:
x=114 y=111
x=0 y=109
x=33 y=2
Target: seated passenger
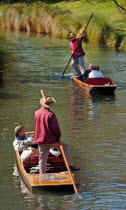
x=95 y=73
x=24 y=143
x=96 y=77
x=86 y=73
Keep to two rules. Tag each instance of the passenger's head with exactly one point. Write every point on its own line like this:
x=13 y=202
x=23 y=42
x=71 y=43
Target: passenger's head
x=96 y=68
x=19 y=130
x=72 y=36
x=90 y=67
x=47 y=101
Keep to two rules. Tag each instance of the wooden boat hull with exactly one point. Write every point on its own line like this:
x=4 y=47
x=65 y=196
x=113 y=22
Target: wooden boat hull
x=37 y=181
x=99 y=89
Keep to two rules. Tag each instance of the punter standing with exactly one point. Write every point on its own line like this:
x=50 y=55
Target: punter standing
x=47 y=133
x=78 y=54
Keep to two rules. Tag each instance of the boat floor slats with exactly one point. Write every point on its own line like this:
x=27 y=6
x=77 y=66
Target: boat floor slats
x=50 y=179
x=57 y=174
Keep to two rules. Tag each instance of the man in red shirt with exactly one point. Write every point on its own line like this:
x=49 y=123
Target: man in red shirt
x=47 y=131
x=78 y=55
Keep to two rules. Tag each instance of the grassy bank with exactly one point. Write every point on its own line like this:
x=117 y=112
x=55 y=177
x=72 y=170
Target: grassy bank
x=107 y=26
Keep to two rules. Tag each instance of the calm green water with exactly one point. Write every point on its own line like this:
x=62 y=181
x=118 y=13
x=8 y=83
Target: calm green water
x=93 y=125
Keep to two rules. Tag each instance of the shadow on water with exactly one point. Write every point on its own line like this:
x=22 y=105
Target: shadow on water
x=100 y=98
x=2 y=68
x=1 y=79
x=9 y=96
x=93 y=97
x=58 y=190
x=55 y=190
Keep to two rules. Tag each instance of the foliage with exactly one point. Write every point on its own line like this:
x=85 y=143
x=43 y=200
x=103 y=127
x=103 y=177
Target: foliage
x=59 y=19
x=120 y=4
x=33 y=17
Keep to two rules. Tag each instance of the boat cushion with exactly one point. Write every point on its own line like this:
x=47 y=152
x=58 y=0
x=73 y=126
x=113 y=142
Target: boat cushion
x=98 y=81
x=32 y=159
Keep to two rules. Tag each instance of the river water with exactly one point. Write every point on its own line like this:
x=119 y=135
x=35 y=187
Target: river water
x=93 y=125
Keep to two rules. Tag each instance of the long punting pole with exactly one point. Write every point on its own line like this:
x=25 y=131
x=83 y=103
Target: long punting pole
x=42 y=93
x=68 y=168
x=65 y=160
x=77 y=45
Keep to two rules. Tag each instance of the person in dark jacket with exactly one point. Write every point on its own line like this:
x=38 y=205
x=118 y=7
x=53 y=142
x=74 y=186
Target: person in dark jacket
x=47 y=133
x=87 y=72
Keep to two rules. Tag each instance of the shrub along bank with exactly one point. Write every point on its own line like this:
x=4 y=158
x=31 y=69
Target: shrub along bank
x=59 y=19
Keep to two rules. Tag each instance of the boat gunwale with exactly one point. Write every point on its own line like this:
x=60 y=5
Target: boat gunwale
x=86 y=84
x=26 y=176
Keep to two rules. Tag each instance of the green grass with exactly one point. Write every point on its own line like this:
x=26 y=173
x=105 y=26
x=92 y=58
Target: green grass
x=108 y=25
x=106 y=10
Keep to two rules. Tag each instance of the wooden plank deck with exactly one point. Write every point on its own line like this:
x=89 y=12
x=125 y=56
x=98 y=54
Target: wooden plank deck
x=50 y=179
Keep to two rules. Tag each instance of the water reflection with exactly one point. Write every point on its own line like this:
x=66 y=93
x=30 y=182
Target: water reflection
x=40 y=196
x=79 y=98
x=2 y=67
x=93 y=125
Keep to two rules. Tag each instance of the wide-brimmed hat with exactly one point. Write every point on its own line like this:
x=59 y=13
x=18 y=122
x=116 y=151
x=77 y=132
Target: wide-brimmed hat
x=72 y=35
x=47 y=101
x=18 y=128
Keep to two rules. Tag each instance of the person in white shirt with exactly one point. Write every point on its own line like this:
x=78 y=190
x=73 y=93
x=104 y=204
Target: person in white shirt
x=95 y=73
x=24 y=143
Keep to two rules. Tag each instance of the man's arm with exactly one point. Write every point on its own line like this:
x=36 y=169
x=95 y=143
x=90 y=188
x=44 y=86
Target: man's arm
x=55 y=126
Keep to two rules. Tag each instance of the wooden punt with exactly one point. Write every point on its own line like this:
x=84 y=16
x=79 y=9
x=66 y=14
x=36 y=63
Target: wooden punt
x=99 y=89
x=57 y=173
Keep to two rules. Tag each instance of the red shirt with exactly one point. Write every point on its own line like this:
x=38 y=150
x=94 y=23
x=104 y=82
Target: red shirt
x=47 y=129
x=79 y=51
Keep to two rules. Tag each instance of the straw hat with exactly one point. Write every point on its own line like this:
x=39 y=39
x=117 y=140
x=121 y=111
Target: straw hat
x=47 y=101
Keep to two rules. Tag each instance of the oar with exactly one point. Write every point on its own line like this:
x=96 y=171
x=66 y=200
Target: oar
x=42 y=93
x=68 y=168
x=77 y=45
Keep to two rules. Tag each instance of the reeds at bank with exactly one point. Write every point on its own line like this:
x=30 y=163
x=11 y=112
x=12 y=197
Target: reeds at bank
x=50 y=19
x=35 y=17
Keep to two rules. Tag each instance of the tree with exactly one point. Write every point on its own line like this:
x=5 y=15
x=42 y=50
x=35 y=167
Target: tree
x=121 y=6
